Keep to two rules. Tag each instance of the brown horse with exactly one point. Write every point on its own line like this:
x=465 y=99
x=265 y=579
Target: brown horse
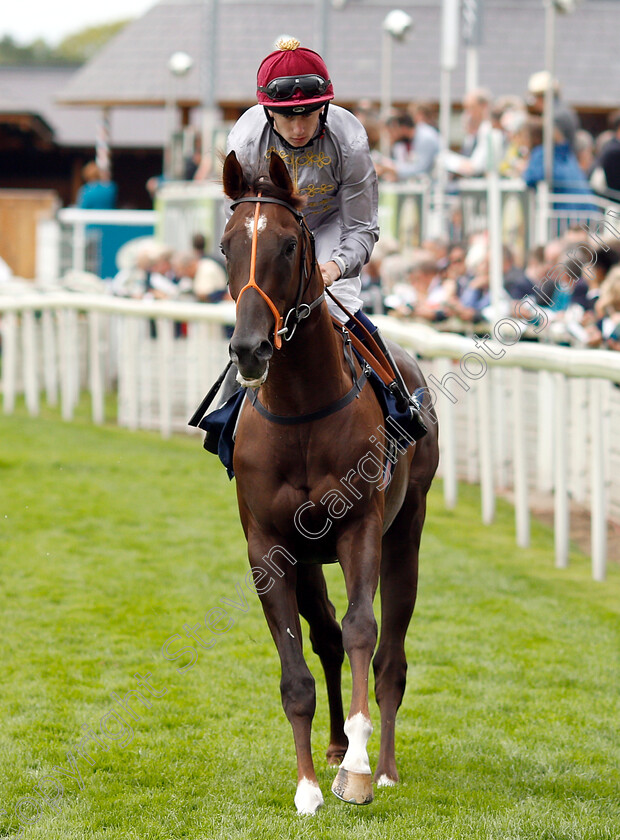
x=309 y=459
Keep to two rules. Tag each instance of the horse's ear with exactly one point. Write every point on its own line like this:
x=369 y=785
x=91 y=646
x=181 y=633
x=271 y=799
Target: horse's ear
x=235 y=185
x=279 y=174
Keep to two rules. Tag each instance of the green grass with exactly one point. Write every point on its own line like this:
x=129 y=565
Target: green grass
x=110 y=541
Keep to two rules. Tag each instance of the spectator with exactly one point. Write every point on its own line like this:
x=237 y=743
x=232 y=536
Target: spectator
x=567 y=176
x=420 y=295
x=199 y=245
x=476 y=296
x=210 y=281
x=184 y=265
x=514 y=125
x=609 y=162
x=368 y=115
x=160 y=281
x=564 y=117
x=410 y=154
x=608 y=305
x=98 y=192
x=414 y=148
x=372 y=282
x=516 y=282
x=584 y=151
x=426 y=140
x=483 y=147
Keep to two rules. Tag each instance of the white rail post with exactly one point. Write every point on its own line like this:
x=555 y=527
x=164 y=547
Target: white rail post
x=165 y=339
x=128 y=372
x=578 y=438
x=498 y=397
x=66 y=336
x=485 y=446
x=561 y=512
x=473 y=449
x=30 y=359
x=8 y=324
x=50 y=357
x=95 y=371
x=598 y=511
x=522 y=511
x=544 y=445
x=447 y=441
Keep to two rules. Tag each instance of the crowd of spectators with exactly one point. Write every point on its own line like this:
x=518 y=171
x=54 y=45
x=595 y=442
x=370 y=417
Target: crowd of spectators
x=153 y=270
x=570 y=299
x=567 y=293
x=503 y=134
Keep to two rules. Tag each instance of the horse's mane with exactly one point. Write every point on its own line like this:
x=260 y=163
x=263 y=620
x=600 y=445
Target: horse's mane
x=262 y=184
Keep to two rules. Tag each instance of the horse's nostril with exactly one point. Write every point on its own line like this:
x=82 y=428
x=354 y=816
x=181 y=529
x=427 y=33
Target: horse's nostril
x=264 y=350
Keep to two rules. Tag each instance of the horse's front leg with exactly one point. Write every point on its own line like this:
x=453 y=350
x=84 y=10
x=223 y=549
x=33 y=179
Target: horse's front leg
x=359 y=553
x=275 y=577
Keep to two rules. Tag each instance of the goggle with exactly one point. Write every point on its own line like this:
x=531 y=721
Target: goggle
x=284 y=87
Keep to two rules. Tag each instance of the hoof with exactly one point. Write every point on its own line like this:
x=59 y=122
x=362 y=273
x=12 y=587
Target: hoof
x=386 y=781
x=308 y=798
x=355 y=788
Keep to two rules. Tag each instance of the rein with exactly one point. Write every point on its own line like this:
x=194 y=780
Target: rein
x=300 y=311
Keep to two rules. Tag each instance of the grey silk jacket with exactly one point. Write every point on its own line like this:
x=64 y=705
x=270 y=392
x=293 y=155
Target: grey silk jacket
x=337 y=176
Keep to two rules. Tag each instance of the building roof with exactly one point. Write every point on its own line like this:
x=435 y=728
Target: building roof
x=33 y=91
x=132 y=68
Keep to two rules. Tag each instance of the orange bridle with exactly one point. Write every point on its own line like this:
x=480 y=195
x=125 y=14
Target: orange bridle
x=252 y=284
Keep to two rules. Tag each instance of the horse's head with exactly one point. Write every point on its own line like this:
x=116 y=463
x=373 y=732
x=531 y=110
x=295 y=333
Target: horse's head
x=270 y=261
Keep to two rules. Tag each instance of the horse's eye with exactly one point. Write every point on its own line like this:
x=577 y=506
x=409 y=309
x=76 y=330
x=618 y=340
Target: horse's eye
x=290 y=248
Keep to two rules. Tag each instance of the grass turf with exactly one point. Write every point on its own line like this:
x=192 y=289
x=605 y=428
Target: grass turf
x=111 y=541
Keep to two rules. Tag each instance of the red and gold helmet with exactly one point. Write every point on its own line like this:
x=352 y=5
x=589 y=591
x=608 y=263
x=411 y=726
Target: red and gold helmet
x=293 y=78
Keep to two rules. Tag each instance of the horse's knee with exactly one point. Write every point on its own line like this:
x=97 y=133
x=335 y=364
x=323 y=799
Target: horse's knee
x=298 y=695
x=359 y=628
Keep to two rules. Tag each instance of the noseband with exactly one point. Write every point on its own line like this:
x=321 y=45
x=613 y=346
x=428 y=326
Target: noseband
x=284 y=326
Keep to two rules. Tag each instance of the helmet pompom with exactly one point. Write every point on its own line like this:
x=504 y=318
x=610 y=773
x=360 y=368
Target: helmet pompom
x=285 y=42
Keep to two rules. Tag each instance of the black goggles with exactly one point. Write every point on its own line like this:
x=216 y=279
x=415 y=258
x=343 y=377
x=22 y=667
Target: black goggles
x=284 y=87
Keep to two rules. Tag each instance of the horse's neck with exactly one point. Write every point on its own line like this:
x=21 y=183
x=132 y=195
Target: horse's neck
x=309 y=372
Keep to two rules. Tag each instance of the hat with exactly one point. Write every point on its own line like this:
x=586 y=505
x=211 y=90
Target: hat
x=539 y=82
x=293 y=76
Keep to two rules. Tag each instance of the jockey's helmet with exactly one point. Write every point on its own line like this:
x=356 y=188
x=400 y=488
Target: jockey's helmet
x=293 y=79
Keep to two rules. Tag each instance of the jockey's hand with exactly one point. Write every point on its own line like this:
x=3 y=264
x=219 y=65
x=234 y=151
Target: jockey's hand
x=330 y=272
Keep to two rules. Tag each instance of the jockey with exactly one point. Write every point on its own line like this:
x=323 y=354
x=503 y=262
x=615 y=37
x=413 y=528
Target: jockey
x=325 y=149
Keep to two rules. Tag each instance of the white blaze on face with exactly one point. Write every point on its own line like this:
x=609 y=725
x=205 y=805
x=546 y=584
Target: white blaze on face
x=308 y=798
x=358 y=730
x=249 y=225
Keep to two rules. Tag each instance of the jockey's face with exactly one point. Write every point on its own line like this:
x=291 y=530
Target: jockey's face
x=297 y=129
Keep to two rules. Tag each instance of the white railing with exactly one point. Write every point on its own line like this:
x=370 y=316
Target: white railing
x=63 y=242
x=521 y=417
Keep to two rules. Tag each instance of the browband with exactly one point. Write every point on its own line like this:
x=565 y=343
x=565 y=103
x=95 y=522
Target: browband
x=255 y=199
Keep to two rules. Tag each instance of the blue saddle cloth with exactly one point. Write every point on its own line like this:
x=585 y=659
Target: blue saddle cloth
x=220 y=424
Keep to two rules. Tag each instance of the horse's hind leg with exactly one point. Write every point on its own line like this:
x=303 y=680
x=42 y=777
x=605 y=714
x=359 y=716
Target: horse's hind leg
x=398 y=582
x=326 y=639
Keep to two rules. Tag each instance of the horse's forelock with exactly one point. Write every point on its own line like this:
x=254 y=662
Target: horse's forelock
x=263 y=184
